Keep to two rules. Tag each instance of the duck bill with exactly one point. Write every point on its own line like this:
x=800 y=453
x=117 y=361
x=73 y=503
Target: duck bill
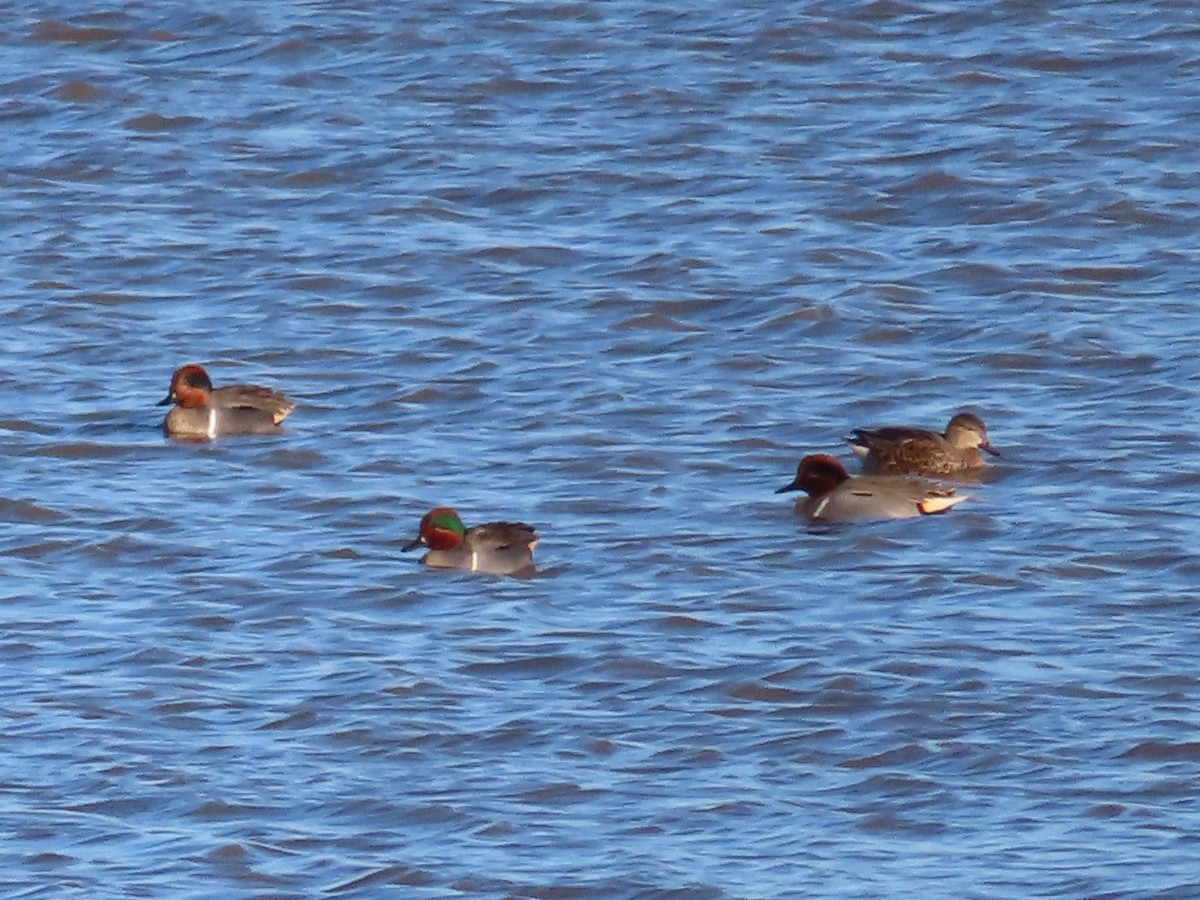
x=167 y=400
x=412 y=545
x=990 y=449
x=794 y=486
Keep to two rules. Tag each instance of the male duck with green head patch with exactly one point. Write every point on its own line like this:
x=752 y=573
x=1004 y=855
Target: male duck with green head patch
x=498 y=548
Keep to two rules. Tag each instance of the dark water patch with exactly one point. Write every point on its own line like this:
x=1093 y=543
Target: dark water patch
x=78 y=91
x=389 y=875
x=1161 y=751
x=30 y=513
x=157 y=122
x=55 y=31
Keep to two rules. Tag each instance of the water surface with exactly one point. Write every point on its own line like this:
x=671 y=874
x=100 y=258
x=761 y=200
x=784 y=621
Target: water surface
x=610 y=269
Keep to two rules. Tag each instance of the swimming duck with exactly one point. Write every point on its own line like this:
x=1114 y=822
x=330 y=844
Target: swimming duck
x=902 y=450
x=203 y=412
x=833 y=496
x=499 y=548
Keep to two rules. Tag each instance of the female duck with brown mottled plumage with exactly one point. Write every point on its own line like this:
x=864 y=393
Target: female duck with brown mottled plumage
x=901 y=450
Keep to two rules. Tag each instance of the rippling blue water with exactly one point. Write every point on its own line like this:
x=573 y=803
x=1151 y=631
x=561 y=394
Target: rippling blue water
x=611 y=269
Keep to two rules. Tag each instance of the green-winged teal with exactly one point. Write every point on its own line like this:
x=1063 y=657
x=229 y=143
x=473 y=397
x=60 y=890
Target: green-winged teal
x=202 y=412
x=499 y=548
x=833 y=496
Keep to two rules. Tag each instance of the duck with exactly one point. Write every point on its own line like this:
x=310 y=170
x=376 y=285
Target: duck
x=834 y=496
x=498 y=548
x=904 y=450
x=202 y=412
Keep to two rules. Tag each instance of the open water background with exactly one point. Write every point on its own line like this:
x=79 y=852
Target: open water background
x=610 y=268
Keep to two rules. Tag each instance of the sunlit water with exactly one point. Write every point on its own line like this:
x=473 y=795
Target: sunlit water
x=611 y=269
